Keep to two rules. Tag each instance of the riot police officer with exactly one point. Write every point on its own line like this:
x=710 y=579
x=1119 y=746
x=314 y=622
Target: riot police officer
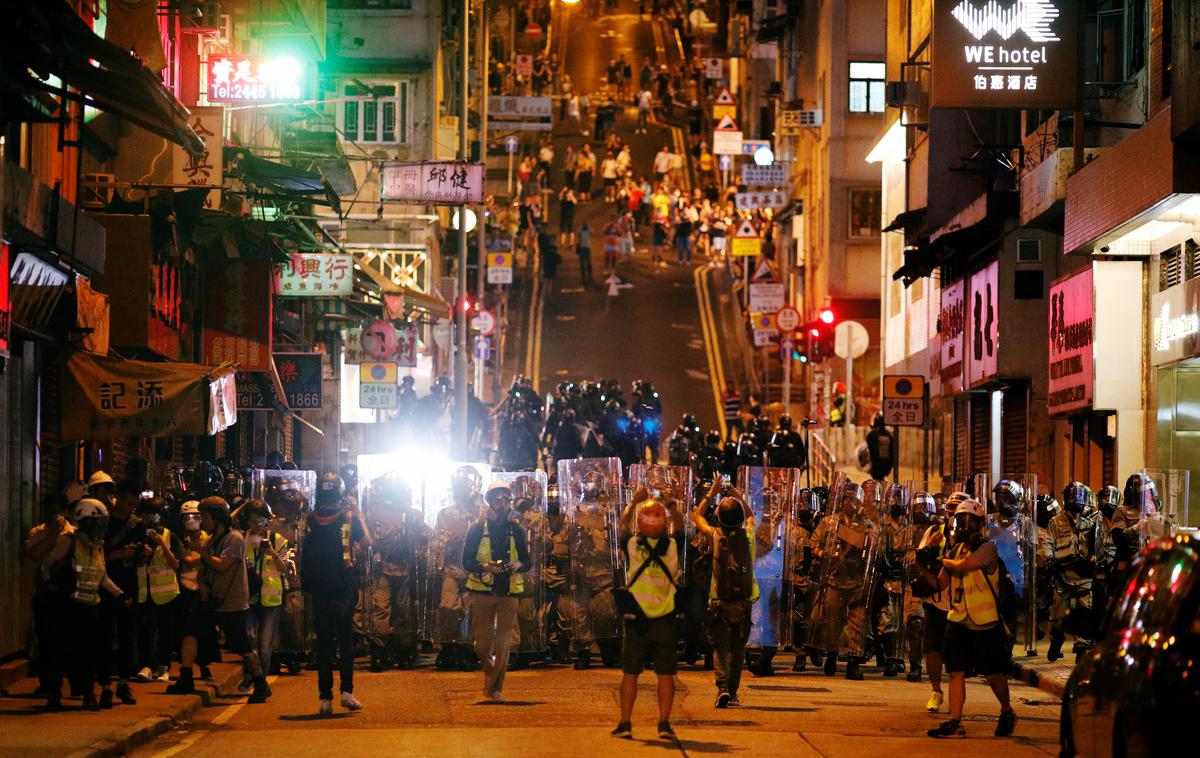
x=893 y=556
x=390 y=601
x=1073 y=571
x=450 y=533
x=786 y=448
x=800 y=571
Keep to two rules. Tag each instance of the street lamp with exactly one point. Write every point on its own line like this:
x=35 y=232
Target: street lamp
x=763 y=156
x=570 y=2
x=470 y=221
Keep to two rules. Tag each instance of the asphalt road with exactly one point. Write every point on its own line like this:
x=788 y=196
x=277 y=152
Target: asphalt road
x=651 y=329
x=558 y=711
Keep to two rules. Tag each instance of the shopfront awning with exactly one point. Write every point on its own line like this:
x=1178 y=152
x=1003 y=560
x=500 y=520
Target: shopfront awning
x=48 y=48
x=907 y=221
x=278 y=181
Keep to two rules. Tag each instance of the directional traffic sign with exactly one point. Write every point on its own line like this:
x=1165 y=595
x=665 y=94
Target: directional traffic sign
x=787 y=318
x=484 y=322
x=904 y=400
x=510 y=144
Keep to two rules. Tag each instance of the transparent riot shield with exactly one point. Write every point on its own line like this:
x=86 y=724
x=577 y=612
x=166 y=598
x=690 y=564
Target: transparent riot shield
x=1012 y=525
x=771 y=495
x=674 y=486
x=895 y=550
x=453 y=497
x=800 y=566
x=589 y=491
x=529 y=507
x=847 y=543
x=1161 y=516
x=393 y=591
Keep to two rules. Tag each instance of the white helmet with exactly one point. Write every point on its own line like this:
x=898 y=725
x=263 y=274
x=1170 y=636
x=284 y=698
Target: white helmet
x=89 y=507
x=100 y=477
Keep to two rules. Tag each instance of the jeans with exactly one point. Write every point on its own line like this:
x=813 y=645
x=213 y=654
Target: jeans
x=492 y=619
x=333 y=619
x=642 y=117
x=683 y=249
x=729 y=628
x=262 y=627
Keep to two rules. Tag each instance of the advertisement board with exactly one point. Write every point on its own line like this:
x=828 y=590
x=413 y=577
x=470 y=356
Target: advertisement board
x=1071 y=338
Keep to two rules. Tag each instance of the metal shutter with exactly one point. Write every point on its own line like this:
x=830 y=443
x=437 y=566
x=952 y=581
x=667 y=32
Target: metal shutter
x=1014 y=430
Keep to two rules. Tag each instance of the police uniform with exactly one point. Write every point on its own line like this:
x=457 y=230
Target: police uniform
x=845 y=601
x=451 y=529
x=388 y=616
x=1072 y=577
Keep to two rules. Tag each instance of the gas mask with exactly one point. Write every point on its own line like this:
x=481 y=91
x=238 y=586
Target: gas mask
x=896 y=510
x=966 y=533
x=96 y=528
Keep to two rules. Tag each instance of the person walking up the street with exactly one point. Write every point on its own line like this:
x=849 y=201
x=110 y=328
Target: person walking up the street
x=584 y=251
x=612 y=244
x=570 y=162
x=585 y=167
x=608 y=170
x=652 y=573
x=335 y=534
x=683 y=233
x=545 y=159
x=733 y=588
x=495 y=556
x=626 y=76
x=644 y=98
x=662 y=164
x=646 y=74
x=976 y=638
x=566 y=216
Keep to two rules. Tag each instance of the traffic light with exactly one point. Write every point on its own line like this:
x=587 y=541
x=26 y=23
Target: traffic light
x=827 y=316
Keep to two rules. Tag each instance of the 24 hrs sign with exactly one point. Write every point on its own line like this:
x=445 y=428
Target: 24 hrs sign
x=1006 y=54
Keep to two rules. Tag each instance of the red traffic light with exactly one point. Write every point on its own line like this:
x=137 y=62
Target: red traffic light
x=827 y=316
x=465 y=304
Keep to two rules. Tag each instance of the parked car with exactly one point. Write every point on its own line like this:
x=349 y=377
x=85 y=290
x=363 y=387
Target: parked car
x=1137 y=692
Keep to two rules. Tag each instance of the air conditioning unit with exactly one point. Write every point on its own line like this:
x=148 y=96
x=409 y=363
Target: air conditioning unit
x=98 y=190
x=895 y=94
x=1029 y=251
x=810 y=117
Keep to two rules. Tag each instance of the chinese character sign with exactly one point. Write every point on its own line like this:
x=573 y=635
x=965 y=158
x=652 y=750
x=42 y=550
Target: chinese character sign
x=439 y=182
x=237 y=313
x=1070 y=334
x=317 y=275
x=106 y=398
x=951 y=327
x=1005 y=54
x=207 y=168
x=983 y=324
x=239 y=79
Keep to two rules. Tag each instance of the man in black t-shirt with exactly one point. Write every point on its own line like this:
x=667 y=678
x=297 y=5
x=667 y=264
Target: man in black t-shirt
x=881 y=446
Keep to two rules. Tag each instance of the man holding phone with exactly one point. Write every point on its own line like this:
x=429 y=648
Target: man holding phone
x=495 y=555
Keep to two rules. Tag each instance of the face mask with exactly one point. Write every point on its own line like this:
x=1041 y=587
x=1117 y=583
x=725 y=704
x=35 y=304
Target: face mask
x=1108 y=509
x=97 y=529
x=191 y=523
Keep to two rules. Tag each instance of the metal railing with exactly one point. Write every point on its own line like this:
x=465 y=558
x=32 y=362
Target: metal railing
x=821 y=459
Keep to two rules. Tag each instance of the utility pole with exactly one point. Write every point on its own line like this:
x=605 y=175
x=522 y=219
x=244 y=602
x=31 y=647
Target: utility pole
x=481 y=68
x=461 y=443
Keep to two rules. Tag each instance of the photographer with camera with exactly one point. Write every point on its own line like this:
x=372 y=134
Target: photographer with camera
x=158 y=589
x=495 y=555
x=265 y=567
x=935 y=603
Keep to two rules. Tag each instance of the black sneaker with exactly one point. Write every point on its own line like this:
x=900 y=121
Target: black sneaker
x=722 y=699
x=951 y=729
x=125 y=695
x=89 y=702
x=831 y=664
x=106 y=699
x=1008 y=720
x=624 y=729
x=665 y=732
x=734 y=702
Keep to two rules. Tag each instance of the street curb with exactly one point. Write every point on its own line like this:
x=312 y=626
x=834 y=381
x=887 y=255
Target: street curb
x=1035 y=678
x=125 y=740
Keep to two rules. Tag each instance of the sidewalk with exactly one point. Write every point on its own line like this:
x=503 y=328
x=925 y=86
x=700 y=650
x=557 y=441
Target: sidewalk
x=1038 y=672
x=27 y=730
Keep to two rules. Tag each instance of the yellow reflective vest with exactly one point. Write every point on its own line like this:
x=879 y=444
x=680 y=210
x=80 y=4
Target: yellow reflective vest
x=972 y=602
x=271 y=594
x=654 y=590
x=156 y=578
x=483 y=582
x=712 y=586
x=88 y=564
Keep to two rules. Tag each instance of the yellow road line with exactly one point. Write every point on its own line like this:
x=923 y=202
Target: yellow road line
x=716 y=372
x=232 y=710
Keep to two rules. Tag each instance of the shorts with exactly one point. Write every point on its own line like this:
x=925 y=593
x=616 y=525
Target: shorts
x=977 y=652
x=653 y=638
x=935 y=629
x=233 y=624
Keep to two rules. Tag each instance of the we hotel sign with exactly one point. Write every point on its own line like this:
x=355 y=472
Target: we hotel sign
x=1006 y=54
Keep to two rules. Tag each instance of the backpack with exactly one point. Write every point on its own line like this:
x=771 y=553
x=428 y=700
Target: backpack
x=1006 y=599
x=732 y=567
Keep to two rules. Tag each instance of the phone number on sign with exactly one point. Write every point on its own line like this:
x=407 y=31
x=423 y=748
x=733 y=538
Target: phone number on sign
x=253 y=92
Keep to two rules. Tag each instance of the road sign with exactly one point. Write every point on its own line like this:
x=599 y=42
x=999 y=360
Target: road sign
x=534 y=30
x=724 y=98
x=762 y=338
x=766 y=297
x=904 y=400
x=378 y=396
x=787 y=318
x=726 y=124
x=377 y=372
x=749 y=201
x=500 y=260
x=499 y=275
x=764 y=322
x=483 y=348
x=524 y=65
x=850 y=340
x=752 y=146
x=774 y=175
x=724 y=111
x=714 y=68
x=765 y=272
x=510 y=144
x=745 y=240
x=725 y=162
x=484 y=322
x=727 y=143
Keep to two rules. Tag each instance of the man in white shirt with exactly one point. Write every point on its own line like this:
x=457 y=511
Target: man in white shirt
x=662 y=163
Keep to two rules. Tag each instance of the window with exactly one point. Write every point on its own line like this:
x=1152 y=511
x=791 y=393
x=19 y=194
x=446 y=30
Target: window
x=867 y=86
x=865 y=207
x=380 y=115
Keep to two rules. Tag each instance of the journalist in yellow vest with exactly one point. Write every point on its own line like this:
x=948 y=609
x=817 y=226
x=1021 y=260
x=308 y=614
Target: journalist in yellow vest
x=495 y=557
x=264 y=560
x=976 y=637
x=652 y=573
x=158 y=587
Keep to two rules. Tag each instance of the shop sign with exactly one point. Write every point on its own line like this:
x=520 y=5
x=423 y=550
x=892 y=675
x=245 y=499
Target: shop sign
x=300 y=377
x=247 y=79
x=952 y=322
x=438 y=182
x=1005 y=54
x=773 y=175
x=752 y=201
x=1175 y=324
x=317 y=275
x=504 y=107
x=1072 y=337
x=983 y=324
x=237 y=313
x=207 y=168
x=5 y=303
x=106 y=398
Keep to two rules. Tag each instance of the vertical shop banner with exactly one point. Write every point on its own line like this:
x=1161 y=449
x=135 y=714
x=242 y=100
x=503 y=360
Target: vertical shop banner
x=237 y=313
x=952 y=322
x=5 y=303
x=92 y=316
x=1071 y=343
x=317 y=275
x=983 y=319
x=208 y=167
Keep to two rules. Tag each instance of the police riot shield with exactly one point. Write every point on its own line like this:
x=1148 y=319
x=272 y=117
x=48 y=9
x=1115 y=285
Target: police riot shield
x=289 y=494
x=847 y=543
x=529 y=508
x=1013 y=527
x=771 y=495
x=589 y=492
x=1164 y=509
x=453 y=497
x=896 y=551
x=673 y=485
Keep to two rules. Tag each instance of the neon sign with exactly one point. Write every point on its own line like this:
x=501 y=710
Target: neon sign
x=245 y=79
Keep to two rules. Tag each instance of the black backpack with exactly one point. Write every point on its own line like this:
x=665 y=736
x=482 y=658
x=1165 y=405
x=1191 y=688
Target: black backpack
x=732 y=567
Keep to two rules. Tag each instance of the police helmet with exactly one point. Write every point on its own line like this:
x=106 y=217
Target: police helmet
x=1008 y=495
x=1076 y=496
x=1108 y=499
x=785 y=422
x=275 y=460
x=1141 y=493
x=924 y=508
x=1047 y=508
